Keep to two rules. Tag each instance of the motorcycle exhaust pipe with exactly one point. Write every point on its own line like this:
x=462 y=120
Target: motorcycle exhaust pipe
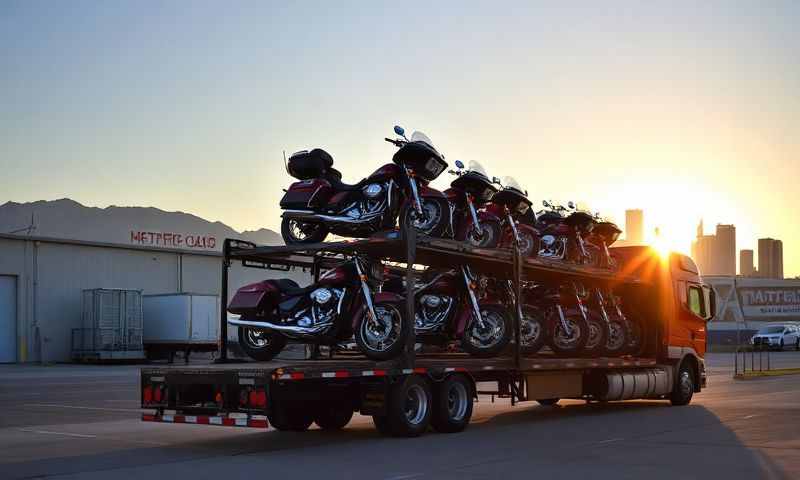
x=311 y=217
x=291 y=329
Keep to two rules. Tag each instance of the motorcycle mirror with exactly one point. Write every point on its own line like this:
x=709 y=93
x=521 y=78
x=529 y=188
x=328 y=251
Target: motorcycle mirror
x=459 y=164
x=400 y=131
x=570 y=204
x=496 y=180
x=544 y=202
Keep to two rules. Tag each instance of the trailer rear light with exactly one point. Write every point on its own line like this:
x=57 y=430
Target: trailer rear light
x=157 y=394
x=261 y=399
x=219 y=399
x=147 y=394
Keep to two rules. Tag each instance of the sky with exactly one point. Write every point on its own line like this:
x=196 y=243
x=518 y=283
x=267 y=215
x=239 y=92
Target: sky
x=687 y=110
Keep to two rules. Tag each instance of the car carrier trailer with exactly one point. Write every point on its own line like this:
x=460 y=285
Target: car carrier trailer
x=408 y=394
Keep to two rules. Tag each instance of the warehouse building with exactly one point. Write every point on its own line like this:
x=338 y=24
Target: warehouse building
x=42 y=280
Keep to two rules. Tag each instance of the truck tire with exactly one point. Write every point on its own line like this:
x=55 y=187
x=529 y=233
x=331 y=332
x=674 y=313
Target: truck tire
x=333 y=416
x=684 y=386
x=452 y=404
x=409 y=407
x=291 y=419
x=547 y=402
x=261 y=345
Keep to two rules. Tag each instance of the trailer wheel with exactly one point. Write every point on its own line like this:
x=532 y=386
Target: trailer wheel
x=294 y=419
x=452 y=404
x=334 y=416
x=683 y=389
x=547 y=402
x=409 y=408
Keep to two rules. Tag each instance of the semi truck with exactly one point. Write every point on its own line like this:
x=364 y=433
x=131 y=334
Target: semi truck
x=407 y=395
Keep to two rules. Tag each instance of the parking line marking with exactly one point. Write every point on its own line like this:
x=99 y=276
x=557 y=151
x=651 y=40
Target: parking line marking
x=611 y=440
x=66 y=434
x=53 y=405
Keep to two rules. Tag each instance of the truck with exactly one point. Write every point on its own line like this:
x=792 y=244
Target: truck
x=409 y=394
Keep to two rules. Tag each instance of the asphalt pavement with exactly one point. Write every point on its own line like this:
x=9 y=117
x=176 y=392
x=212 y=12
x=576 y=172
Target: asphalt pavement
x=72 y=421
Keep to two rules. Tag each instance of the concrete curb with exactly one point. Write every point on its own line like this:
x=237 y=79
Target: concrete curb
x=776 y=372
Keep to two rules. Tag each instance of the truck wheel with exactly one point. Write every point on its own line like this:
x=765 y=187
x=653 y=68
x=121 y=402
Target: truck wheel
x=684 y=386
x=333 y=417
x=409 y=408
x=386 y=338
x=452 y=404
x=259 y=344
x=293 y=419
x=547 y=402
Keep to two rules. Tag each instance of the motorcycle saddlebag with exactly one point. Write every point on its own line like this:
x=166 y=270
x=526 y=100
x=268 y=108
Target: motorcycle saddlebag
x=304 y=165
x=254 y=298
x=307 y=194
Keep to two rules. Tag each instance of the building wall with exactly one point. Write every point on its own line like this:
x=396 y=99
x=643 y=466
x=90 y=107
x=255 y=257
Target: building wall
x=52 y=274
x=746 y=264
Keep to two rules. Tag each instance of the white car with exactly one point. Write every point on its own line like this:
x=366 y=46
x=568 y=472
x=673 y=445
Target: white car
x=777 y=337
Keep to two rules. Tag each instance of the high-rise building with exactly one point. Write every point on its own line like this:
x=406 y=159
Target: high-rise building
x=746 y=265
x=770 y=258
x=725 y=249
x=715 y=254
x=634 y=227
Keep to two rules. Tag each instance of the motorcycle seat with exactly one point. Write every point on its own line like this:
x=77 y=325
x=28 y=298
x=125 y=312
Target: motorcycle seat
x=334 y=177
x=291 y=288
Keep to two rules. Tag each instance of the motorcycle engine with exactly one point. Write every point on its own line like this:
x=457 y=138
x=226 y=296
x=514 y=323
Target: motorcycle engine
x=432 y=312
x=325 y=303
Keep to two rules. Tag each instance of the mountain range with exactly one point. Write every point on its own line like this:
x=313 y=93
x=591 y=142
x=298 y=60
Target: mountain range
x=68 y=219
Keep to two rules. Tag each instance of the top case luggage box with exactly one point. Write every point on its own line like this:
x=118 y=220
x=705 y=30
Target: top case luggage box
x=305 y=165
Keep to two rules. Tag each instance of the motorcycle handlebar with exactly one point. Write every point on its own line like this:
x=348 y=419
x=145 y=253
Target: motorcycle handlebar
x=396 y=143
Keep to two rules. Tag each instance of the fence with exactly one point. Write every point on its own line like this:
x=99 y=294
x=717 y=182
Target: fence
x=760 y=360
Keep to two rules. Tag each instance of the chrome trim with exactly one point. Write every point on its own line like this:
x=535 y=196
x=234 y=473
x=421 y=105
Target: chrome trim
x=291 y=329
x=475 y=308
x=304 y=215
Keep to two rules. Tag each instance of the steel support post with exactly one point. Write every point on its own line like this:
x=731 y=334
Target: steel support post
x=222 y=356
x=409 y=355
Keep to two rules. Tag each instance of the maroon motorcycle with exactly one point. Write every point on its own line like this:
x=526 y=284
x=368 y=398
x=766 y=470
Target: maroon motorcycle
x=450 y=306
x=560 y=309
x=510 y=204
x=471 y=190
x=563 y=235
x=603 y=235
x=340 y=305
x=320 y=203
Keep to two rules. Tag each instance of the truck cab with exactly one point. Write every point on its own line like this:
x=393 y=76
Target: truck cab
x=671 y=296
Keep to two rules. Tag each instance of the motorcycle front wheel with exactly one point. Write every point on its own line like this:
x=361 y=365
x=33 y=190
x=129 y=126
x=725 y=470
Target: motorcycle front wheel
x=433 y=219
x=596 y=340
x=493 y=337
x=486 y=236
x=617 y=336
x=386 y=337
x=567 y=343
x=259 y=344
x=532 y=330
x=296 y=232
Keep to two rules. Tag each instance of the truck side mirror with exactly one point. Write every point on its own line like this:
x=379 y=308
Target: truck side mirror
x=712 y=302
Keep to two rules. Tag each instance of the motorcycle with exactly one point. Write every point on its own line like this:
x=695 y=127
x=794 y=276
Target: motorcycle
x=450 y=306
x=508 y=204
x=604 y=233
x=532 y=333
x=563 y=231
x=320 y=203
x=472 y=189
x=560 y=309
x=341 y=304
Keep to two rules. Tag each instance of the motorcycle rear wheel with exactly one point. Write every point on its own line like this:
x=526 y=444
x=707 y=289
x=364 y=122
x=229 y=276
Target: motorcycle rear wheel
x=296 y=232
x=259 y=344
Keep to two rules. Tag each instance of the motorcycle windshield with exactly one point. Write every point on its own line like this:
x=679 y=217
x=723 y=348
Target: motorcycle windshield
x=511 y=182
x=476 y=167
x=421 y=137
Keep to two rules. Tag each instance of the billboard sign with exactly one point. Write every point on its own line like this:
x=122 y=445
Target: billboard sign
x=195 y=241
x=770 y=301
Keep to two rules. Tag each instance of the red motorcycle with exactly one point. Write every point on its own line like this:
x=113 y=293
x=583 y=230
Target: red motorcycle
x=560 y=309
x=510 y=204
x=341 y=304
x=320 y=203
x=471 y=190
x=450 y=305
x=603 y=234
x=563 y=233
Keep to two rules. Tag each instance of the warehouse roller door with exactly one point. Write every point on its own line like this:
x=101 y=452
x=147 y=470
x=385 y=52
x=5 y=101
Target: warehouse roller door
x=8 y=319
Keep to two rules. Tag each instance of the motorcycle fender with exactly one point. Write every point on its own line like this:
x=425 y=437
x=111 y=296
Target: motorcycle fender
x=360 y=306
x=508 y=234
x=428 y=192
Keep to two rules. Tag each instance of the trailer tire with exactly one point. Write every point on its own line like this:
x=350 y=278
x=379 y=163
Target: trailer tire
x=684 y=386
x=293 y=419
x=547 y=402
x=452 y=404
x=333 y=417
x=409 y=408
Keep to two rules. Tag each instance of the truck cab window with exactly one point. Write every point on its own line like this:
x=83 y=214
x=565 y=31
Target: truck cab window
x=695 y=301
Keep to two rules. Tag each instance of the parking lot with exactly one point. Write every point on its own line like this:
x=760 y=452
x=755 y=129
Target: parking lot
x=71 y=421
